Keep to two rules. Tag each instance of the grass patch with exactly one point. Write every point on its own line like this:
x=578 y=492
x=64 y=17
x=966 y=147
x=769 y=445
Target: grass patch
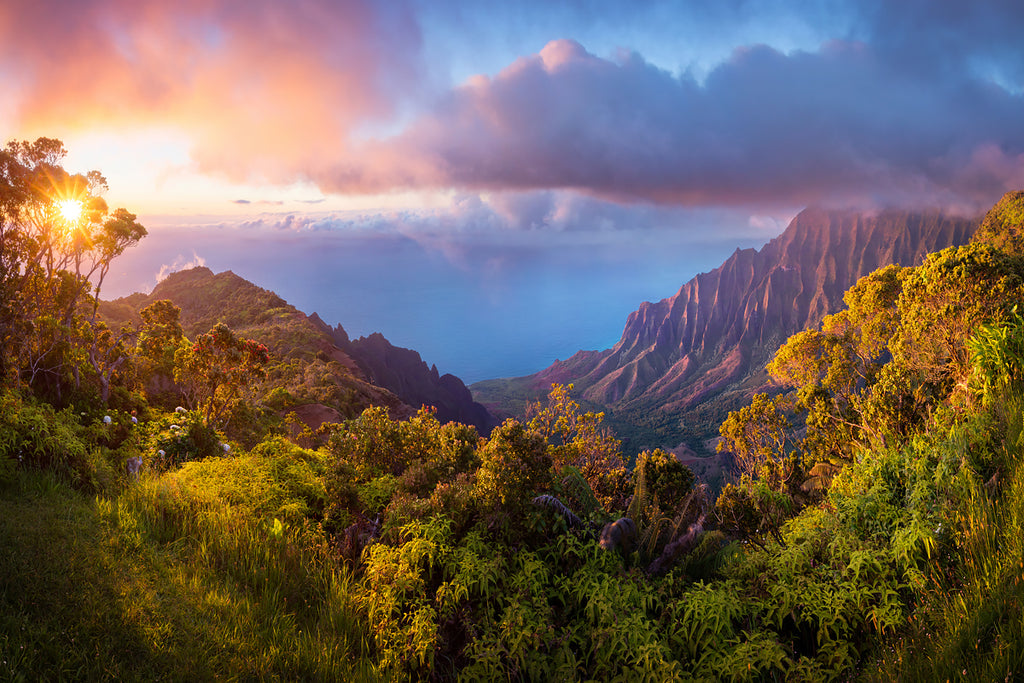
x=126 y=589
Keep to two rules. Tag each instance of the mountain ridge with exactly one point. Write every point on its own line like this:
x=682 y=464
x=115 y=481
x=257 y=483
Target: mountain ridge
x=405 y=373
x=721 y=327
x=324 y=367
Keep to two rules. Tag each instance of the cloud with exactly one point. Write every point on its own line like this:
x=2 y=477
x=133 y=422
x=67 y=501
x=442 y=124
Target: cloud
x=259 y=202
x=261 y=87
x=180 y=263
x=508 y=216
x=477 y=241
x=502 y=229
x=918 y=101
x=841 y=125
x=939 y=38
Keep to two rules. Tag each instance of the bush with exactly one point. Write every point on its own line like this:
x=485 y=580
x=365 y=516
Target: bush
x=90 y=458
x=35 y=435
x=342 y=496
x=275 y=480
x=374 y=495
x=186 y=438
x=515 y=464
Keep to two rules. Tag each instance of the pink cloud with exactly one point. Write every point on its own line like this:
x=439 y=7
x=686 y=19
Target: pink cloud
x=262 y=87
x=284 y=92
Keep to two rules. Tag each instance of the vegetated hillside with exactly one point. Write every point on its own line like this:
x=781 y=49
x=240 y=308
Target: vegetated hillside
x=404 y=373
x=682 y=363
x=308 y=360
x=880 y=541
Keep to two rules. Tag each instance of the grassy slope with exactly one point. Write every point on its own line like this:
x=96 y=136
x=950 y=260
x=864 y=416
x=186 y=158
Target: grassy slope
x=85 y=596
x=971 y=625
x=73 y=604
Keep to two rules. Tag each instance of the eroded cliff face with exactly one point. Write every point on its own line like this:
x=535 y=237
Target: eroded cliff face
x=721 y=327
x=722 y=322
x=403 y=372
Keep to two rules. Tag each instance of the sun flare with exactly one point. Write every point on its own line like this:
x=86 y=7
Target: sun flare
x=70 y=209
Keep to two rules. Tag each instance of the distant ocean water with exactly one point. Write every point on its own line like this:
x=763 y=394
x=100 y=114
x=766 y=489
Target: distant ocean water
x=476 y=311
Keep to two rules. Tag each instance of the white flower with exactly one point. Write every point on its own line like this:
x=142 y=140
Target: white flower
x=106 y=419
x=135 y=420
x=175 y=427
x=161 y=453
x=226 y=447
x=179 y=409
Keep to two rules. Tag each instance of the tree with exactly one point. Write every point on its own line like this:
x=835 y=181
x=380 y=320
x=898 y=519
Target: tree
x=515 y=465
x=57 y=241
x=105 y=352
x=160 y=337
x=578 y=439
x=756 y=435
x=217 y=368
x=943 y=301
x=161 y=332
x=1003 y=225
x=830 y=367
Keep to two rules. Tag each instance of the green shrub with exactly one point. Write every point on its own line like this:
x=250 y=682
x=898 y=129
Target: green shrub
x=342 y=496
x=275 y=480
x=457 y=499
x=184 y=438
x=374 y=495
x=35 y=435
x=515 y=464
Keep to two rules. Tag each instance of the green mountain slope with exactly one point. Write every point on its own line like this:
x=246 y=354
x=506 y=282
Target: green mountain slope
x=314 y=363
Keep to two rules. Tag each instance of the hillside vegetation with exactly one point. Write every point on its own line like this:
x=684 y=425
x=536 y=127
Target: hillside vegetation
x=314 y=369
x=872 y=529
x=305 y=366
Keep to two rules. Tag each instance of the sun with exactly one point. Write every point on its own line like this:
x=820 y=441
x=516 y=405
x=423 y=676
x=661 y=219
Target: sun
x=70 y=209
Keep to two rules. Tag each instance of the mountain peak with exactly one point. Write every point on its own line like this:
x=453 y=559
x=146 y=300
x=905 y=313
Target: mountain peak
x=348 y=376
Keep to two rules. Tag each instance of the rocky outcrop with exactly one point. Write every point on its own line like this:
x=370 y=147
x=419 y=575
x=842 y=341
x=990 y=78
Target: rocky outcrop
x=405 y=374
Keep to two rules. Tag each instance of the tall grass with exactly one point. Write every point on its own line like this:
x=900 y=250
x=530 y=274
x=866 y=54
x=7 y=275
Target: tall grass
x=971 y=625
x=299 y=619
x=154 y=585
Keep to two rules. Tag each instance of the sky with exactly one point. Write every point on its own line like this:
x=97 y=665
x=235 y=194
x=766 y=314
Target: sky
x=498 y=185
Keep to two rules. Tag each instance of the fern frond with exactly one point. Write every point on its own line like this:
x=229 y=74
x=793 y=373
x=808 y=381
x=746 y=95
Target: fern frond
x=649 y=536
x=551 y=503
x=638 y=505
x=578 y=488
